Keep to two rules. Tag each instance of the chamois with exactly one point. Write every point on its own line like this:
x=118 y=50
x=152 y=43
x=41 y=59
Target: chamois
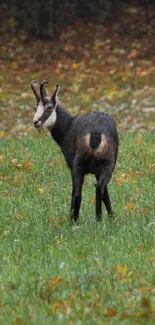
x=89 y=144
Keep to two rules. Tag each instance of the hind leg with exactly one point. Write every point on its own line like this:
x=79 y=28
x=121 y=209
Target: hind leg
x=103 y=194
x=107 y=202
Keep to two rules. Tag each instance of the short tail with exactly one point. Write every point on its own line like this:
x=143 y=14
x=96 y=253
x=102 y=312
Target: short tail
x=95 y=140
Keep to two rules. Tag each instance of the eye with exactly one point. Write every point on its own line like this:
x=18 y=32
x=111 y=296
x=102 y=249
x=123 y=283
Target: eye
x=49 y=108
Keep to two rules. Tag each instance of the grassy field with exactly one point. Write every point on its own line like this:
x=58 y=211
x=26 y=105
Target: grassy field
x=52 y=272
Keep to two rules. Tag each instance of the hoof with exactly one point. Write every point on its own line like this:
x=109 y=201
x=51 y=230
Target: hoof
x=73 y=219
x=112 y=215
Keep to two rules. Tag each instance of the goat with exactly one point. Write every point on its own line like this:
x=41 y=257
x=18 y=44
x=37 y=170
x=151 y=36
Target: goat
x=89 y=144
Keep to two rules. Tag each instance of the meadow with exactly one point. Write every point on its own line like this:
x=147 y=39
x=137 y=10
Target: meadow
x=55 y=272
x=89 y=273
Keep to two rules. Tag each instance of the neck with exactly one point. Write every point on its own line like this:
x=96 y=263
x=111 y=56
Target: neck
x=62 y=124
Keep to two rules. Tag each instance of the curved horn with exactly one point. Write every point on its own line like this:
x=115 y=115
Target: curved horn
x=34 y=90
x=43 y=91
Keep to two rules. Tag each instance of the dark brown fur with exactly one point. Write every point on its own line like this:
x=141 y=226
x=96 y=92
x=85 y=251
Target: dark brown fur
x=90 y=145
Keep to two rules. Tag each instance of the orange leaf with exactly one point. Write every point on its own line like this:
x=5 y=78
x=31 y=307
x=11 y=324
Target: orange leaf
x=57 y=306
x=59 y=162
x=131 y=172
x=144 y=290
x=111 y=312
x=139 y=140
x=27 y=165
x=57 y=280
x=125 y=179
x=130 y=205
x=74 y=65
x=141 y=248
x=93 y=200
x=124 y=315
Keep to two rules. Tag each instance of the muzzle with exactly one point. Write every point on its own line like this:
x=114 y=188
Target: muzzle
x=37 y=124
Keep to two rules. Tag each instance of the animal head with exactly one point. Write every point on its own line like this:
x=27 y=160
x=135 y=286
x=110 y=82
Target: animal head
x=45 y=110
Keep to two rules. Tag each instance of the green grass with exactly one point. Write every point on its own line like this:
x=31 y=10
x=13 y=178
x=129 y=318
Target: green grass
x=52 y=272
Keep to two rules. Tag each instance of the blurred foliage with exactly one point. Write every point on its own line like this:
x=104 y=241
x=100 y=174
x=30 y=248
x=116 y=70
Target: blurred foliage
x=46 y=19
x=108 y=67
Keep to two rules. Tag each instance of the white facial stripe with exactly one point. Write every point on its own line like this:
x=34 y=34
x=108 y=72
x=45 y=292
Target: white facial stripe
x=49 y=123
x=39 y=112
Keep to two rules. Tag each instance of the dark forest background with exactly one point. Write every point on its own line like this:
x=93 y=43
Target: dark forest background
x=46 y=19
x=100 y=52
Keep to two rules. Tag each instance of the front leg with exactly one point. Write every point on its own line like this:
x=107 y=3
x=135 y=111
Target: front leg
x=77 y=182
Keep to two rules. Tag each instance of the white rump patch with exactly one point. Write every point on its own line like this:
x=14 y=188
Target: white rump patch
x=102 y=144
x=100 y=149
x=87 y=137
x=39 y=112
x=49 y=123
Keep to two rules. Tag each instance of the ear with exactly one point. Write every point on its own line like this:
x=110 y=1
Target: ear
x=54 y=97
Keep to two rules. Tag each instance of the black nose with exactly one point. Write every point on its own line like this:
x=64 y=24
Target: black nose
x=36 y=124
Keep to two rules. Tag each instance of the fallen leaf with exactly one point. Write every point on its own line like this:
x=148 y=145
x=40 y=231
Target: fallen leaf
x=2 y=134
x=139 y=140
x=111 y=312
x=124 y=315
x=122 y=269
x=2 y=157
x=144 y=290
x=14 y=161
x=131 y=274
x=75 y=228
x=125 y=179
x=152 y=167
x=74 y=65
x=18 y=179
x=57 y=280
x=146 y=303
x=67 y=308
x=5 y=233
x=26 y=165
x=141 y=248
x=20 y=216
x=41 y=190
x=93 y=200
x=130 y=205
x=57 y=306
